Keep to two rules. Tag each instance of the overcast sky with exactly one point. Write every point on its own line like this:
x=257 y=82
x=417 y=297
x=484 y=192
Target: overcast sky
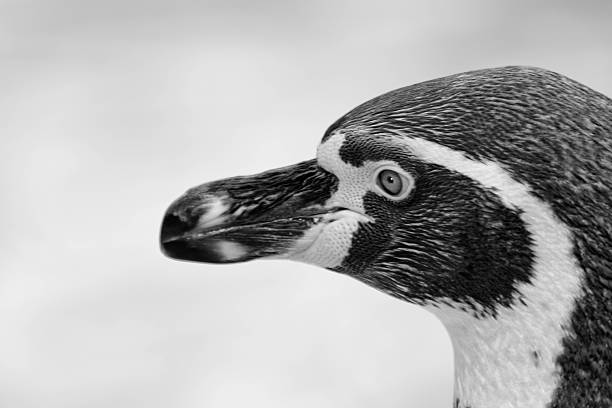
x=111 y=109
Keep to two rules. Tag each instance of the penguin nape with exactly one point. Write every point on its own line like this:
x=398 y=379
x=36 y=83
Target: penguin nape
x=485 y=197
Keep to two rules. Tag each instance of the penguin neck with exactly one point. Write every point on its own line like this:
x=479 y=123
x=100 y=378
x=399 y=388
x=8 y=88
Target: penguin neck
x=508 y=357
x=508 y=361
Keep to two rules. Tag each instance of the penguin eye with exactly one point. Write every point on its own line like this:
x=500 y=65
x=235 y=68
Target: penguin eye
x=393 y=184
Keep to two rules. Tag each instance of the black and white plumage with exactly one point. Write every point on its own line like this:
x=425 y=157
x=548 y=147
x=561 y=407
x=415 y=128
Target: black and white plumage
x=485 y=196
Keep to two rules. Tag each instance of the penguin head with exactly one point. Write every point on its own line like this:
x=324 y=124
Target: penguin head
x=399 y=196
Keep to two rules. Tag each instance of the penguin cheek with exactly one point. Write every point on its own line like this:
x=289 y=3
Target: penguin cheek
x=367 y=243
x=371 y=240
x=329 y=245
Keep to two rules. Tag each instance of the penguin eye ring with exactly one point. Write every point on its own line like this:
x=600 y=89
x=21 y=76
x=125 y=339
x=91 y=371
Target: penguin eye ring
x=393 y=183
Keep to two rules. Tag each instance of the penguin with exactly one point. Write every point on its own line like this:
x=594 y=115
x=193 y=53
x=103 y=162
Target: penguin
x=485 y=197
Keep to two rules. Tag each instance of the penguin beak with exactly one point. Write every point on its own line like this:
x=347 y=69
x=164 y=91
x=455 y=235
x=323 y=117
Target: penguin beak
x=243 y=218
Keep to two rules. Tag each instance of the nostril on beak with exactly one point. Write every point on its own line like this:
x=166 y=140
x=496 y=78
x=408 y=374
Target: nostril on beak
x=173 y=227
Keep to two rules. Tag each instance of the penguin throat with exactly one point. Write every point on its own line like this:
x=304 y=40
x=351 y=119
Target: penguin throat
x=508 y=361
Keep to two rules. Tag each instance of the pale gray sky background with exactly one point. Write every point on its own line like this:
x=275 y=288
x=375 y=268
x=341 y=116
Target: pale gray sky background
x=110 y=109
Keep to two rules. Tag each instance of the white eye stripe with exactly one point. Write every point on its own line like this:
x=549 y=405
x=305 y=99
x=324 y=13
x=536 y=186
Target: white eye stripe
x=356 y=181
x=383 y=182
